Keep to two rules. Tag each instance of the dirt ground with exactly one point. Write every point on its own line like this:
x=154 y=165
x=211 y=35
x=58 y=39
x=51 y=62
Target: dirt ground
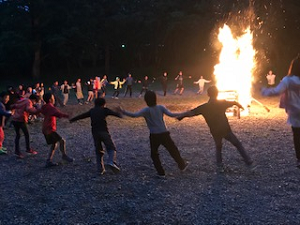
x=76 y=194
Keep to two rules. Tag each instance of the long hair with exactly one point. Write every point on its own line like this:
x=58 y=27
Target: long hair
x=295 y=67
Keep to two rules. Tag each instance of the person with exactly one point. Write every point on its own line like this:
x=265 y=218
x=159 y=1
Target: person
x=201 y=82
x=50 y=113
x=145 y=85
x=21 y=91
x=164 y=83
x=271 y=78
x=42 y=92
x=23 y=108
x=29 y=92
x=117 y=86
x=104 y=83
x=159 y=135
x=78 y=90
x=289 y=88
x=214 y=114
x=101 y=134
x=4 y=98
x=65 y=88
x=129 y=81
x=90 y=86
x=179 y=86
x=97 y=87
x=55 y=90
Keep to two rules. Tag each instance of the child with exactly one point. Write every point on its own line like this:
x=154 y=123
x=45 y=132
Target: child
x=23 y=108
x=214 y=114
x=4 y=98
x=65 y=88
x=101 y=134
x=117 y=87
x=201 y=82
x=159 y=135
x=50 y=113
x=290 y=100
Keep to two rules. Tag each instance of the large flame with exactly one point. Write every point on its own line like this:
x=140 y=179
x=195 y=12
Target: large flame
x=236 y=64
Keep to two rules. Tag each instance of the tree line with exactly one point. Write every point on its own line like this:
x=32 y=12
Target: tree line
x=39 y=37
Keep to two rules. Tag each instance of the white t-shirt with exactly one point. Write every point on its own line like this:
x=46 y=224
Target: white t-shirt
x=271 y=79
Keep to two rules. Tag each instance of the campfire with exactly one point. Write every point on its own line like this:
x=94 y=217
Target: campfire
x=236 y=63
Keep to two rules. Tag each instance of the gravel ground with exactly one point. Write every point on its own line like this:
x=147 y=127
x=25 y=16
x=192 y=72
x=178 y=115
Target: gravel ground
x=75 y=194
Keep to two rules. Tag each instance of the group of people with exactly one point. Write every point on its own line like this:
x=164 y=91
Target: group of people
x=213 y=112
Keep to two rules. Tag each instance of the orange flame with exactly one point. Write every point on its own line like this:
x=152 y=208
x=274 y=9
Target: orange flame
x=236 y=64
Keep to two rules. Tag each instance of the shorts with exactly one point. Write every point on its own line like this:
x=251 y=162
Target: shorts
x=52 y=138
x=180 y=86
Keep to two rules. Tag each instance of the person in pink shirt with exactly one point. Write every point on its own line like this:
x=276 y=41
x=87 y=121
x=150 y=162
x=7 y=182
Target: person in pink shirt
x=23 y=108
x=50 y=113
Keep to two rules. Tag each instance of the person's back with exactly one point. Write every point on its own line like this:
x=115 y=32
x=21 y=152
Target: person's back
x=21 y=107
x=214 y=114
x=98 y=118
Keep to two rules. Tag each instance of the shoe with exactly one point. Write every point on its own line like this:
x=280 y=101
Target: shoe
x=67 y=158
x=116 y=98
x=50 y=164
x=161 y=175
x=19 y=155
x=31 y=152
x=2 y=152
x=80 y=103
x=114 y=168
x=3 y=149
x=187 y=164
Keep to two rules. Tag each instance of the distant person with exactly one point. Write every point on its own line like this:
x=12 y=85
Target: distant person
x=65 y=89
x=289 y=89
x=164 y=82
x=214 y=114
x=129 y=83
x=271 y=78
x=179 y=86
x=145 y=85
x=97 y=87
x=21 y=91
x=50 y=113
x=104 y=83
x=101 y=134
x=201 y=82
x=117 y=87
x=29 y=92
x=55 y=90
x=90 y=86
x=159 y=135
x=23 y=108
x=4 y=98
x=78 y=90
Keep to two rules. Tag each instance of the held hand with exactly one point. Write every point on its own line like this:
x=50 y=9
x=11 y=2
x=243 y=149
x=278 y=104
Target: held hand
x=179 y=118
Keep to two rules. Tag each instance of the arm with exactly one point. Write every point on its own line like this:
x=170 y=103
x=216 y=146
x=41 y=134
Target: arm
x=113 y=113
x=59 y=114
x=169 y=113
x=281 y=87
x=238 y=105
x=191 y=113
x=136 y=114
x=3 y=112
x=81 y=116
x=30 y=109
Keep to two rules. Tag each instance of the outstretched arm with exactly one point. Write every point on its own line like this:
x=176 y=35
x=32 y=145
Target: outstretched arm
x=81 y=116
x=131 y=114
x=281 y=87
x=191 y=113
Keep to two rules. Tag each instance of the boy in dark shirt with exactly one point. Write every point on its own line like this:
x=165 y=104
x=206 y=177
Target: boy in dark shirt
x=214 y=114
x=50 y=113
x=101 y=134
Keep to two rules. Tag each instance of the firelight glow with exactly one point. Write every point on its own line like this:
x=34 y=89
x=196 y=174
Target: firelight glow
x=236 y=64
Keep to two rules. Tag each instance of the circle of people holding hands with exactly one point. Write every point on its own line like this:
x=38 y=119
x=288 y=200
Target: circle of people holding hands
x=213 y=112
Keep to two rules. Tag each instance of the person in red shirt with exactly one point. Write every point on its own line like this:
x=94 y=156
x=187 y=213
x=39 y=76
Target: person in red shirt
x=23 y=108
x=50 y=113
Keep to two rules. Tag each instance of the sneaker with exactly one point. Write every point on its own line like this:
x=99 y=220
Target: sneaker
x=67 y=158
x=19 y=155
x=161 y=176
x=80 y=103
x=114 y=168
x=31 y=152
x=186 y=166
x=116 y=98
x=2 y=152
x=50 y=164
